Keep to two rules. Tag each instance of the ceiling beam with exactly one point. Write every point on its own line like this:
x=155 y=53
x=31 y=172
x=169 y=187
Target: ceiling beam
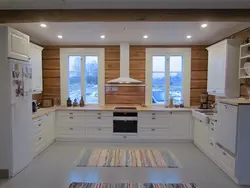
x=122 y=15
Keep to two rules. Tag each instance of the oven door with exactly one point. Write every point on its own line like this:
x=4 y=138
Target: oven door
x=125 y=127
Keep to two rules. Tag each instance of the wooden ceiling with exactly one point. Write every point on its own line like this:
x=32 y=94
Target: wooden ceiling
x=122 y=15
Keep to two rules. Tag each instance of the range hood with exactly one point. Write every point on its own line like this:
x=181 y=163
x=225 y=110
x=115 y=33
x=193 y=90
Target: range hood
x=124 y=67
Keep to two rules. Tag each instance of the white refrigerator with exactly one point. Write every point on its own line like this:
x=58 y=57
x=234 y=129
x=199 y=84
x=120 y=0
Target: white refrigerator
x=21 y=147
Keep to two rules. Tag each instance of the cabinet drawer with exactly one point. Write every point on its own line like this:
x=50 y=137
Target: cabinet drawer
x=77 y=121
x=153 y=133
x=99 y=132
x=99 y=122
x=71 y=113
x=99 y=113
x=154 y=114
x=153 y=122
x=225 y=160
x=71 y=130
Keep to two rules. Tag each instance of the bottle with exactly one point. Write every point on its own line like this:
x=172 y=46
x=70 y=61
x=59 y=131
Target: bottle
x=75 y=103
x=171 y=103
x=82 y=102
x=69 y=103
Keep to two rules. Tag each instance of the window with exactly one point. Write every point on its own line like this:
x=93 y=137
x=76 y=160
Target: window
x=159 y=80
x=176 y=78
x=168 y=75
x=91 y=79
x=81 y=75
x=74 y=86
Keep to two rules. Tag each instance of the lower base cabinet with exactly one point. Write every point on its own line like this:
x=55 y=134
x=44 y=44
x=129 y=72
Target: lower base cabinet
x=44 y=132
x=160 y=126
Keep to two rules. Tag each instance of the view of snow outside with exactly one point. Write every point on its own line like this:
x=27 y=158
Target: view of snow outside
x=90 y=78
x=159 y=80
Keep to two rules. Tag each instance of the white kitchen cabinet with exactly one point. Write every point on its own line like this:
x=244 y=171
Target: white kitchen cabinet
x=201 y=134
x=37 y=72
x=70 y=124
x=18 y=45
x=165 y=125
x=225 y=161
x=180 y=126
x=227 y=126
x=44 y=132
x=223 y=69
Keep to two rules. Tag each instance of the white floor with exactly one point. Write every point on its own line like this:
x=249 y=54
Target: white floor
x=56 y=168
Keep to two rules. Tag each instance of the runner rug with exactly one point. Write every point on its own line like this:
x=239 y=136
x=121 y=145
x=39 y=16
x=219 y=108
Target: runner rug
x=130 y=185
x=122 y=157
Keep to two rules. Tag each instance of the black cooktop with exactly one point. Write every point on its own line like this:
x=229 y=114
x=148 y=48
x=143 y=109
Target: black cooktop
x=125 y=108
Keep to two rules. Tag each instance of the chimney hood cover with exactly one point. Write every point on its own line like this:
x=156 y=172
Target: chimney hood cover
x=124 y=67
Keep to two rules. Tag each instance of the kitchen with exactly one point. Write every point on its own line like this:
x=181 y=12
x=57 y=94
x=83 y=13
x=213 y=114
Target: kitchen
x=122 y=105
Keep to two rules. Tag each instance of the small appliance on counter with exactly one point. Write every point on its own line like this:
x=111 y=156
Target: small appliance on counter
x=34 y=106
x=204 y=100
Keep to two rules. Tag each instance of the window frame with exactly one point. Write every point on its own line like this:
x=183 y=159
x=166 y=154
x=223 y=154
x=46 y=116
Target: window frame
x=186 y=69
x=64 y=54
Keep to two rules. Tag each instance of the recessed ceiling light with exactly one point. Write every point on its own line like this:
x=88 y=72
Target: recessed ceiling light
x=102 y=36
x=43 y=25
x=59 y=36
x=145 y=36
x=189 y=37
x=203 y=25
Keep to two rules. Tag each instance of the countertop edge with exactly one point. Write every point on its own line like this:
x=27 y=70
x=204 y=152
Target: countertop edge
x=43 y=111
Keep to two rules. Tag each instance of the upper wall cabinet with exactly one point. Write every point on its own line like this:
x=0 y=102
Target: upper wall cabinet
x=223 y=69
x=37 y=74
x=18 y=45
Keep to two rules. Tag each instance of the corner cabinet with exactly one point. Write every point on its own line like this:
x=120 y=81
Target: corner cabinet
x=37 y=73
x=223 y=69
x=18 y=45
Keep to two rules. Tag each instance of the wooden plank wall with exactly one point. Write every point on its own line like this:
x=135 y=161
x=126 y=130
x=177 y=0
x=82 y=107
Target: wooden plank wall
x=124 y=95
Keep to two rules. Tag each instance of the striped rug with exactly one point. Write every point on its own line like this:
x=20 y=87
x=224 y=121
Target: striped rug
x=130 y=185
x=122 y=157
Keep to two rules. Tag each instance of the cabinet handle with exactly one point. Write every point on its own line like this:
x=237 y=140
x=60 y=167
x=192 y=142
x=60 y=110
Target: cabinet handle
x=99 y=129
x=124 y=137
x=153 y=114
x=71 y=113
x=171 y=112
x=40 y=138
x=215 y=120
x=71 y=129
x=212 y=123
x=224 y=153
x=99 y=118
x=214 y=91
x=200 y=121
x=98 y=113
x=212 y=129
x=152 y=129
x=71 y=118
x=153 y=117
x=211 y=144
x=34 y=89
x=39 y=125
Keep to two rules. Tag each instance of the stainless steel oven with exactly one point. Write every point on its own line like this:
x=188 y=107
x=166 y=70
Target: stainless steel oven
x=125 y=123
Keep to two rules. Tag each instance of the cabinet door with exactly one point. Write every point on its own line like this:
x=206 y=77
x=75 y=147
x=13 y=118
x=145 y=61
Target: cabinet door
x=36 y=61
x=220 y=63
x=18 y=45
x=216 y=70
x=201 y=134
x=180 y=125
x=212 y=73
x=227 y=126
x=49 y=125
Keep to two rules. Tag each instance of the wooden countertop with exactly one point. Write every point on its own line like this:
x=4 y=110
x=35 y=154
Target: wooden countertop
x=42 y=111
x=236 y=101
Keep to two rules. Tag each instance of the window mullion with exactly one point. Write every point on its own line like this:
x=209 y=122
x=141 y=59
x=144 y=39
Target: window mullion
x=167 y=86
x=83 y=77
